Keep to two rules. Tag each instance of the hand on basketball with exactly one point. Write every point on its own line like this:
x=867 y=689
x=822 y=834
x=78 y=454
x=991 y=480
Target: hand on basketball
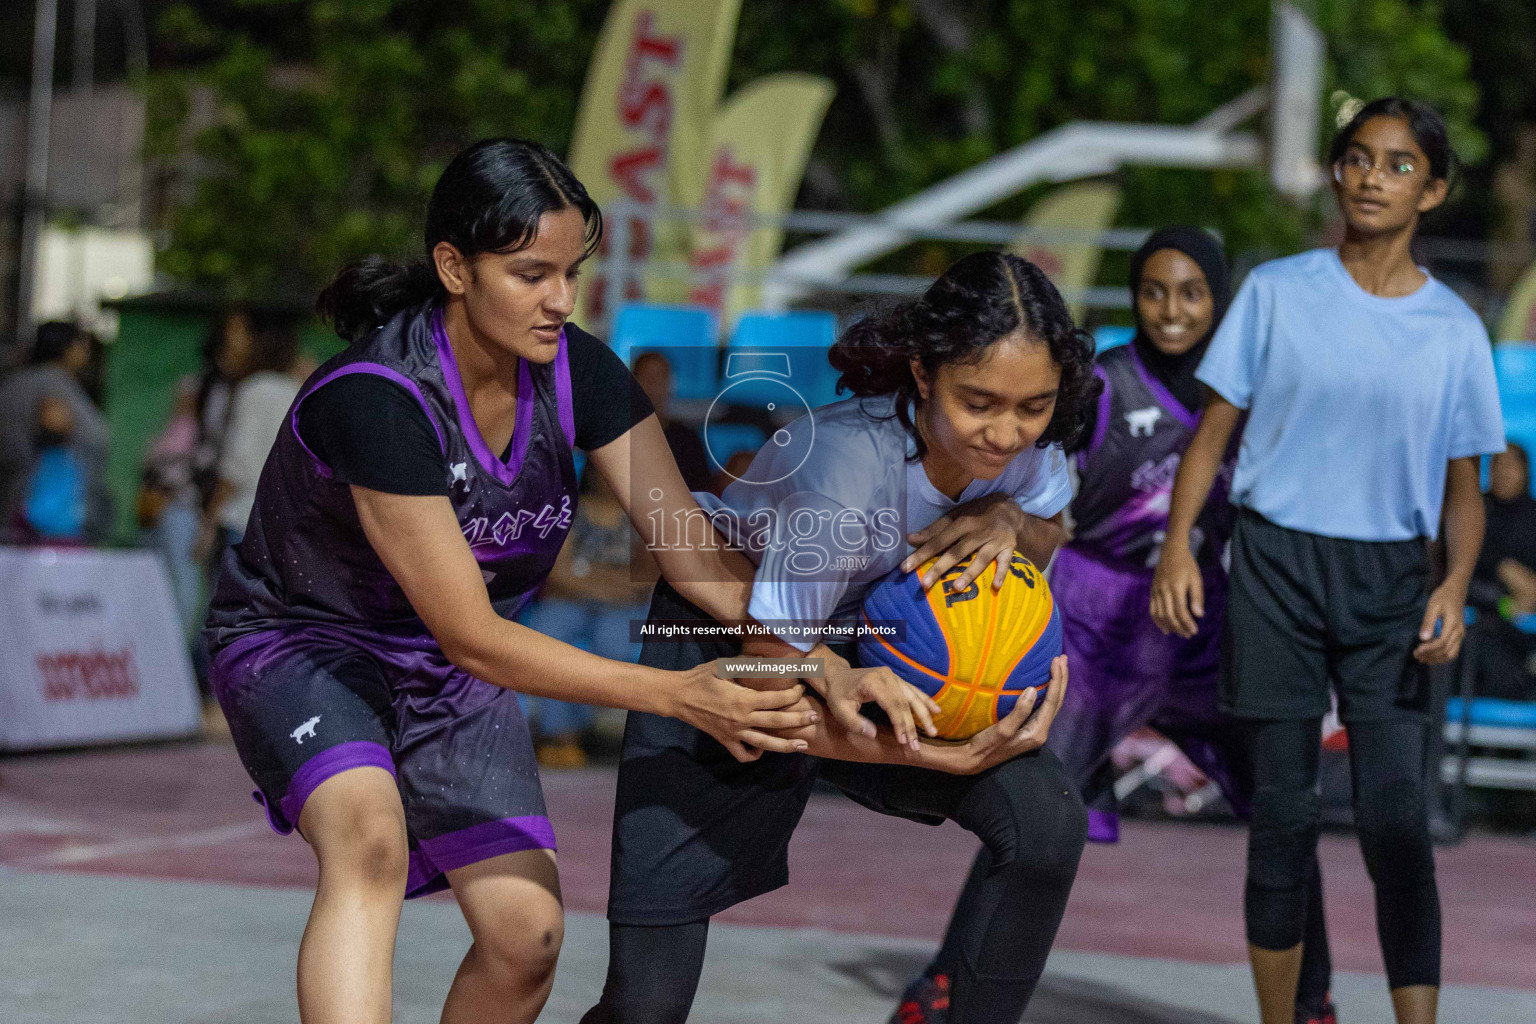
x=1447 y=607
x=904 y=704
x=985 y=530
x=744 y=720
x=1178 y=593
x=1023 y=729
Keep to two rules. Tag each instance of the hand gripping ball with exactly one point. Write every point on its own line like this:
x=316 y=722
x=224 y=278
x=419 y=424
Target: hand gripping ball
x=974 y=651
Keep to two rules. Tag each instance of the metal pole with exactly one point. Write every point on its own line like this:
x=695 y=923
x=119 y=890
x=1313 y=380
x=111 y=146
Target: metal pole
x=616 y=268
x=34 y=196
x=83 y=78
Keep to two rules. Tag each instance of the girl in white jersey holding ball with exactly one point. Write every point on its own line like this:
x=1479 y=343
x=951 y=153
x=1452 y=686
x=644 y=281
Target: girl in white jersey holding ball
x=961 y=400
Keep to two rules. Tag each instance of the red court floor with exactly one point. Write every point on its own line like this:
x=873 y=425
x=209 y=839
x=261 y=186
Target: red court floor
x=1167 y=890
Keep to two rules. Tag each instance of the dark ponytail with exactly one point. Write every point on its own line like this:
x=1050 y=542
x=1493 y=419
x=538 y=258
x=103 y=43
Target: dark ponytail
x=488 y=199
x=980 y=299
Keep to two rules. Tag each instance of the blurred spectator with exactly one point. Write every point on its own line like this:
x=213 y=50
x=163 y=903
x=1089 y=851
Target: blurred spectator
x=590 y=598
x=180 y=471
x=44 y=411
x=257 y=408
x=1504 y=582
x=655 y=376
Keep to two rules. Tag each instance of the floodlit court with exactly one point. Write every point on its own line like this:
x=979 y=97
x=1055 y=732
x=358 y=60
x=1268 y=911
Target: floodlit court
x=142 y=886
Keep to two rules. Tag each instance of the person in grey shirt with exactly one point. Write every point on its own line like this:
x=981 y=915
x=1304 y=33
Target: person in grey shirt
x=59 y=356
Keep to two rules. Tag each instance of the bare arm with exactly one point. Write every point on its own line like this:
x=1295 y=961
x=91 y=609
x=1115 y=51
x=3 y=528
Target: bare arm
x=1178 y=595
x=1464 y=523
x=419 y=541
x=640 y=469
x=1520 y=581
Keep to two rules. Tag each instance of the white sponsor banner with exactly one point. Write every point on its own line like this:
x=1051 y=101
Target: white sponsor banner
x=90 y=650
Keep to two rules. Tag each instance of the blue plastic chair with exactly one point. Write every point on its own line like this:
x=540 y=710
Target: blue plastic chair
x=1514 y=362
x=1111 y=336
x=686 y=335
x=803 y=336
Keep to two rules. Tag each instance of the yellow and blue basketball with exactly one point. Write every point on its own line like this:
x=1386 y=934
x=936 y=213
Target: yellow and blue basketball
x=975 y=651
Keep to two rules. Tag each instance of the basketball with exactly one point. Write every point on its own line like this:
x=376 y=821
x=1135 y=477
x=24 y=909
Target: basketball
x=973 y=651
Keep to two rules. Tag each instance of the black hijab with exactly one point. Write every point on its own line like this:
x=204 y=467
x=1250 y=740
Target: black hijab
x=1177 y=373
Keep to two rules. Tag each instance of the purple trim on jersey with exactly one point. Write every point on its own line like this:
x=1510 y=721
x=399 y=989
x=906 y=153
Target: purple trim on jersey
x=503 y=472
x=324 y=765
x=563 y=391
x=1103 y=826
x=1163 y=395
x=378 y=371
x=1100 y=425
x=433 y=858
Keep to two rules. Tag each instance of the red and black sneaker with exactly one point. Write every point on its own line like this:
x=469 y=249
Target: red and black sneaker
x=926 y=1001
x=1326 y=1015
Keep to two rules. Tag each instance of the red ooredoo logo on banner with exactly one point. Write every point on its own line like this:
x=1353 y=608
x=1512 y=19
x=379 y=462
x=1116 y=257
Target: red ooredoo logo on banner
x=88 y=675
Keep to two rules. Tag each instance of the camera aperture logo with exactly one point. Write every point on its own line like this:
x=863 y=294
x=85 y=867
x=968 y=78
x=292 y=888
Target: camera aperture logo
x=760 y=437
x=812 y=541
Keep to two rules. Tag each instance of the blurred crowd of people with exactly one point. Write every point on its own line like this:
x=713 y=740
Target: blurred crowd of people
x=53 y=442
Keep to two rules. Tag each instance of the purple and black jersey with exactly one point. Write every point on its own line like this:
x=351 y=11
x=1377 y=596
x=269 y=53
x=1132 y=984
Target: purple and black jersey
x=305 y=559
x=1120 y=514
x=322 y=666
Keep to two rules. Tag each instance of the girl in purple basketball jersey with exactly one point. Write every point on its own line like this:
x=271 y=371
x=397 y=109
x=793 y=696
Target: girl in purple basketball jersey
x=419 y=491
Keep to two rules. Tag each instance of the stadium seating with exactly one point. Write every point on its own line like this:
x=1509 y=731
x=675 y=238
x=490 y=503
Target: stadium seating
x=804 y=336
x=684 y=334
x=1490 y=743
x=1110 y=336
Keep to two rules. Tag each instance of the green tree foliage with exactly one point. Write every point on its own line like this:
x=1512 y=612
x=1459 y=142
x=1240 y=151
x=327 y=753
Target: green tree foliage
x=304 y=169
x=927 y=88
x=330 y=129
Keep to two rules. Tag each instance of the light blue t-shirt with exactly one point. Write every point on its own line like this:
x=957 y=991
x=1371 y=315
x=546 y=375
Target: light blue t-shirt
x=825 y=520
x=1355 y=402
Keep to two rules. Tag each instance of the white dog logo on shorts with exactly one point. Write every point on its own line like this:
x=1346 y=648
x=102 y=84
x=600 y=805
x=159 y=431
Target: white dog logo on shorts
x=307 y=729
x=1142 y=421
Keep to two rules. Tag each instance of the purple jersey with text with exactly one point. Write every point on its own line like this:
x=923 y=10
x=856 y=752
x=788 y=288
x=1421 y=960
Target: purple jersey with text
x=1120 y=514
x=322 y=666
x=304 y=557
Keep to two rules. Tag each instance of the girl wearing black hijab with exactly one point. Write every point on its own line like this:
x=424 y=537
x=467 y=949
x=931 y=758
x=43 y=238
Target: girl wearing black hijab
x=1126 y=674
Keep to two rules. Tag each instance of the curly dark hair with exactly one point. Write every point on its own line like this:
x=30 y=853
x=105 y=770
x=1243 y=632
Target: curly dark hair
x=980 y=299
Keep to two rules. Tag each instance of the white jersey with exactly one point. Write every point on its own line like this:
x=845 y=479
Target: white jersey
x=826 y=519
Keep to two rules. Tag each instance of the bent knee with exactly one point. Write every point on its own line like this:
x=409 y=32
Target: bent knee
x=370 y=850
x=523 y=950
x=1029 y=814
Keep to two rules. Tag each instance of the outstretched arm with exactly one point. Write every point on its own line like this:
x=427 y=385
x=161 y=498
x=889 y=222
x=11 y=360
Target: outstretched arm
x=418 y=539
x=639 y=467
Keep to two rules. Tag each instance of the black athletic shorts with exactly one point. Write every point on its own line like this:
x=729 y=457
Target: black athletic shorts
x=696 y=831
x=1307 y=612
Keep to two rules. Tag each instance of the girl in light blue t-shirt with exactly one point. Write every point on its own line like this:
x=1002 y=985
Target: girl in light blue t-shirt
x=1369 y=391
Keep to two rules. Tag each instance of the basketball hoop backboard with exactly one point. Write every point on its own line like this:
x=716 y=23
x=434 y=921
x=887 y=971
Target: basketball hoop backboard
x=1297 y=52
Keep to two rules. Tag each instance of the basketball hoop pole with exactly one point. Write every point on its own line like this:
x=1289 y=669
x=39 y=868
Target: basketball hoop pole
x=1084 y=148
x=1076 y=150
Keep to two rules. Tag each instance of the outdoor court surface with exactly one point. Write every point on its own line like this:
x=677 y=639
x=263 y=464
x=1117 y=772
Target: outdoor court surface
x=142 y=885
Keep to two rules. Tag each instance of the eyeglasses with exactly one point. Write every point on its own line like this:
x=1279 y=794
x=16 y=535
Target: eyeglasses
x=1397 y=172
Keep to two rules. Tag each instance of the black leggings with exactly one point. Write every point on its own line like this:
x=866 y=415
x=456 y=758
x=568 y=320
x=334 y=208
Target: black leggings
x=1034 y=828
x=1387 y=768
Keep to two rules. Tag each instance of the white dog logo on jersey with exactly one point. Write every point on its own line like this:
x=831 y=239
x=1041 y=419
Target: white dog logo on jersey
x=307 y=729
x=1143 y=421
x=460 y=473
